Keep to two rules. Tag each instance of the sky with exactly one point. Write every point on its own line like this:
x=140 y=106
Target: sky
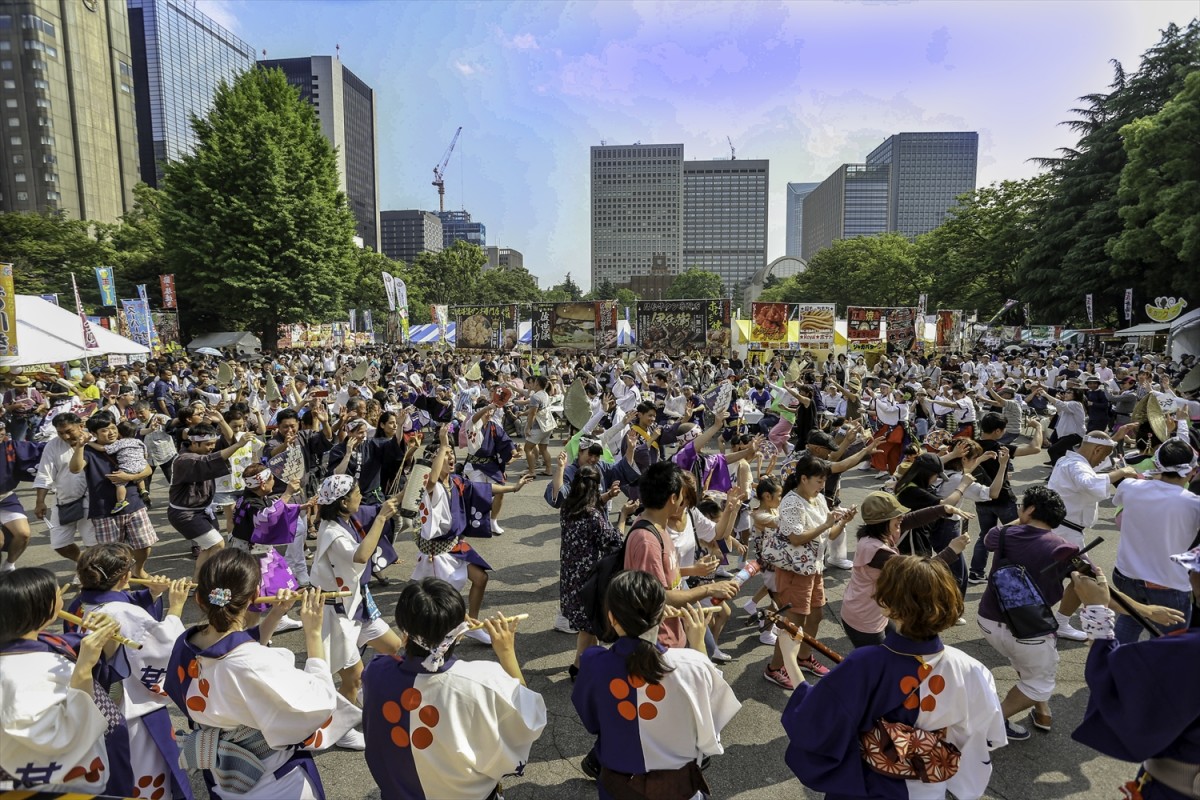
x=807 y=85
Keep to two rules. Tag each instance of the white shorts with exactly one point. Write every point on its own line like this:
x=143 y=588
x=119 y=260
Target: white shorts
x=10 y=516
x=338 y=632
x=206 y=540
x=63 y=535
x=1035 y=660
x=538 y=436
x=769 y=580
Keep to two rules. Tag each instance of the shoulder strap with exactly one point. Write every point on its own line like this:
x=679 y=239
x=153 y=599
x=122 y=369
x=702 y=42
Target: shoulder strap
x=1000 y=549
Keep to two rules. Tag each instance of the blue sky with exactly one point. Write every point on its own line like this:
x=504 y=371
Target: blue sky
x=808 y=85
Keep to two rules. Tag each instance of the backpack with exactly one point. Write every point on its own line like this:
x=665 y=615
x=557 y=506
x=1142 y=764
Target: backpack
x=595 y=585
x=1022 y=607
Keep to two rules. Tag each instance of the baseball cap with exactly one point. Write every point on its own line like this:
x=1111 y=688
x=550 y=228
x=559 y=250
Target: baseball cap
x=822 y=439
x=881 y=507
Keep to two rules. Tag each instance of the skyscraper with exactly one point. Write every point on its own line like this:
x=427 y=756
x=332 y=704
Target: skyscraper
x=637 y=210
x=180 y=56
x=725 y=218
x=928 y=173
x=407 y=234
x=457 y=225
x=851 y=202
x=346 y=107
x=504 y=258
x=796 y=192
x=69 y=138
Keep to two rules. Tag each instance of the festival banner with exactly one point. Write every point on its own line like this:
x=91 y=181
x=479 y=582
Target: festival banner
x=816 y=326
x=946 y=329
x=145 y=307
x=167 y=283
x=89 y=338
x=1128 y=305
x=1088 y=302
x=441 y=317
x=864 y=324
x=166 y=325
x=1165 y=309
x=901 y=327
x=137 y=322
x=401 y=291
x=8 y=315
x=720 y=331
x=368 y=323
x=485 y=327
x=389 y=287
x=769 y=323
x=673 y=326
x=1008 y=306
x=108 y=286
x=575 y=326
x=51 y=298
x=353 y=320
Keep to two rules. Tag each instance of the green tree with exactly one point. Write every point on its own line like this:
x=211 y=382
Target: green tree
x=696 y=284
x=452 y=276
x=569 y=288
x=253 y=222
x=138 y=241
x=973 y=258
x=556 y=295
x=604 y=289
x=45 y=249
x=864 y=271
x=1160 y=190
x=626 y=297
x=507 y=286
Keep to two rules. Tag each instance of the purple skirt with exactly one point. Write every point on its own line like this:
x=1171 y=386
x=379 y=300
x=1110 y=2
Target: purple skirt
x=464 y=552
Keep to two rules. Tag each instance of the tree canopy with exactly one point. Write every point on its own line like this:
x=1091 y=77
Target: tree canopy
x=695 y=284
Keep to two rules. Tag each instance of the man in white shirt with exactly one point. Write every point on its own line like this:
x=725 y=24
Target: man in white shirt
x=54 y=475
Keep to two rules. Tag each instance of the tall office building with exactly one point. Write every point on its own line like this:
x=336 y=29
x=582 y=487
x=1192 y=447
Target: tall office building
x=907 y=185
x=928 y=173
x=407 y=234
x=180 y=56
x=851 y=202
x=637 y=210
x=725 y=218
x=457 y=225
x=68 y=141
x=346 y=107
x=504 y=258
x=796 y=192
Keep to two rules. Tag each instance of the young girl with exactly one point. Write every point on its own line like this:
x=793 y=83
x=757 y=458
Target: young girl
x=914 y=680
x=249 y=699
x=657 y=712
x=451 y=508
x=765 y=520
x=797 y=549
x=104 y=572
x=440 y=727
x=54 y=718
x=341 y=562
x=261 y=520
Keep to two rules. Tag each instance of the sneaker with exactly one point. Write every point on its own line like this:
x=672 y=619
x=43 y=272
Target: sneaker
x=496 y=529
x=769 y=636
x=882 y=475
x=1067 y=631
x=839 y=563
x=863 y=466
x=976 y=578
x=591 y=765
x=723 y=574
x=480 y=636
x=288 y=623
x=119 y=507
x=563 y=625
x=814 y=667
x=352 y=740
x=779 y=677
x=719 y=657
x=1015 y=732
x=960 y=621
x=750 y=607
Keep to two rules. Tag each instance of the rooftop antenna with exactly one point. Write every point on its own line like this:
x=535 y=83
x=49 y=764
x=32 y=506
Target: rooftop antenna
x=338 y=49
x=732 y=151
x=264 y=52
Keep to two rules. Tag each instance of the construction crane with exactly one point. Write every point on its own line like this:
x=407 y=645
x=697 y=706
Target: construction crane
x=441 y=168
x=732 y=152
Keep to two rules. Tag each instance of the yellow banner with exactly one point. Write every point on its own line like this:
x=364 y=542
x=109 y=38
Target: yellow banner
x=8 y=317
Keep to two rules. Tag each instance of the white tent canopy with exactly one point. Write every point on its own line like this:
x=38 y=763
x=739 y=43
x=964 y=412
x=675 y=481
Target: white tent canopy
x=48 y=334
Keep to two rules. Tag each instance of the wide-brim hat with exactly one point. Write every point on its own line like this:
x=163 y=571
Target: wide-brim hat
x=21 y=382
x=880 y=507
x=1149 y=409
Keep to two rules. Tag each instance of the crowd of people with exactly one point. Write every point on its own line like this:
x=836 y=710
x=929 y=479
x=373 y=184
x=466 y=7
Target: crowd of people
x=690 y=490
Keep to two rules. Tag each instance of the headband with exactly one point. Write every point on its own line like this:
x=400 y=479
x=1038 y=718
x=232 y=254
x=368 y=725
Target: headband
x=1178 y=469
x=257 y=480
x=1103 y=441
x=208 y=437
x=437 y=654
x=334 y=488
x=1190 y=559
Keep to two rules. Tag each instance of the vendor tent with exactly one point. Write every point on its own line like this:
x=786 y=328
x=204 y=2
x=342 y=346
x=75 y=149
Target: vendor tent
x=1145 y=329
x=243 y=342
x=1185 y=335
x=48 y=334
x=429 y=333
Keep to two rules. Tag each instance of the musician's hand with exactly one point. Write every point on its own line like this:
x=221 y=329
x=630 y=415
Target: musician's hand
x=694 y=625
x=157 y=584
x=177 y=595
x=99 y=630
x=312 y=608
x=1091 y=591
x=790 y=648
x=389 y=508
x=503 y=632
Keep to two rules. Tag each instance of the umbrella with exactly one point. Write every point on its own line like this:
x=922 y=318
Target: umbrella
x=1013 y=348
x=209 y=351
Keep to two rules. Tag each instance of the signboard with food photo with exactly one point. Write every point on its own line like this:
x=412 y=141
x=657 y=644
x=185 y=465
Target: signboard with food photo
x=490 y=327
x=673 y=326
x=769 y=322
x=816 y=326
x=575 y=326
x=719 y=334
x=901 y=327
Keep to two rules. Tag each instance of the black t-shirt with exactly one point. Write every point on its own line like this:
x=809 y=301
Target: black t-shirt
x=102 y=493
x=986 y=472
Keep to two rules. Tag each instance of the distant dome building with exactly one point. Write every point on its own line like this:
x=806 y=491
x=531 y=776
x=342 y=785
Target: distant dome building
x=783 y=267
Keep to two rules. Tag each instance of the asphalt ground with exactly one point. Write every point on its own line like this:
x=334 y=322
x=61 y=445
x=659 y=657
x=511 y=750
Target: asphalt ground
x=525 y=562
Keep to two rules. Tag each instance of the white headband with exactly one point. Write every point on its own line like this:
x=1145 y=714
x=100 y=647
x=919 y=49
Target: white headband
x=1178 y=469
x=1103 y=441
x=258 y=480
x=211 y=437
x=437 y=654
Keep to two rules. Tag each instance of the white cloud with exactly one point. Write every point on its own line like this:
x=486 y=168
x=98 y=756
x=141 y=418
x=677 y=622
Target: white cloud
x=220 y=12
x=467 y=69
x=523 y=41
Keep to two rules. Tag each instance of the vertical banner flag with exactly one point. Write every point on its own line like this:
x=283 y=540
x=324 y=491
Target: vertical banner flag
x=8 y=315
x=1088 y=301
x=920 y=322
x=1008 y=306
x=51 y=298
x=769 y=324
x=353 y=320
x=401 y=291
x=901 y=327
x=947 y=328
x=389 y=287
x=89 y=338
x=1129 y=305
x=1027 y=315
x=368 y=323
x=167 y=282
x=152 y=332
x=441 y=318
x=108 y=287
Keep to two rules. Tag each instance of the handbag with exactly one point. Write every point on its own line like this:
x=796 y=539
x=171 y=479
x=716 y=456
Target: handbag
x=1022 y=606
x=72 y=511
x=899 y=750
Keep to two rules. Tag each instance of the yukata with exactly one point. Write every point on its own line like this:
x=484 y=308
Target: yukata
x=259 y=523
x=714 y=468
x=154 y=755
x=652 y=727
x=55 y=737
x=824 y=722
x=18 y=461
x=350 y=622
x=447 y=515
x=456 y=731
x=489 y=451
x=256 y=716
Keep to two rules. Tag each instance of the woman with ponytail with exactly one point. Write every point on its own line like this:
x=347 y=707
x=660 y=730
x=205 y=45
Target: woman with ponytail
x=656 y=712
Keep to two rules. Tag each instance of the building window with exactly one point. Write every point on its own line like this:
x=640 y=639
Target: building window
x=5 y=45
x=19 y=177
x=5 y=64
x=23 y=196
x=10 y=84
x=14 y=122
x=15 y=141
x=10 y=102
